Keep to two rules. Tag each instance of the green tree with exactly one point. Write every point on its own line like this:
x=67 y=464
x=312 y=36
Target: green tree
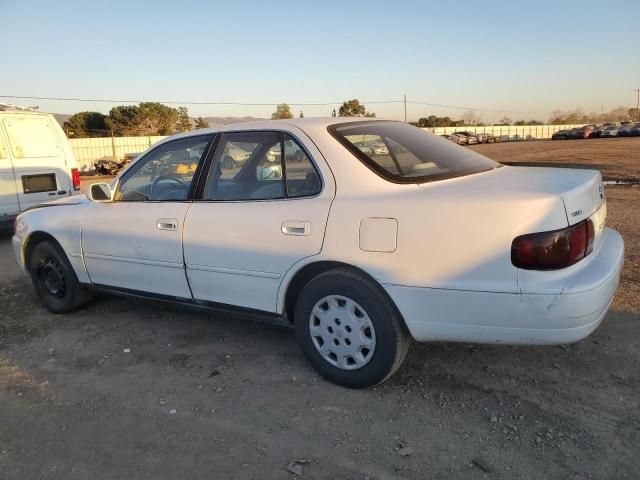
x=86 y=124
x=201 y=123
x=148 y=118
x=353 y=108
x=282 y=112
x=183 y=123
x=156 y=119
x=122 y=120
x=433 y=121
x=520 y=123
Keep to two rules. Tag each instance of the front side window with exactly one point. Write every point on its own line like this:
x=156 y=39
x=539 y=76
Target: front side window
x=406 y=154
x=261 y=165
x=165 y=173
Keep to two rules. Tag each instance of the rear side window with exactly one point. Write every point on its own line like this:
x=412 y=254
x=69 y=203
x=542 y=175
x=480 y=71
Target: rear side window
x=32 y=137
x=261 y=165
x=402 y=153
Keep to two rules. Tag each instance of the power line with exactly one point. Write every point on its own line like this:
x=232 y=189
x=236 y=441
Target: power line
x=175 y=102
x=265 y=104
x=460 y=107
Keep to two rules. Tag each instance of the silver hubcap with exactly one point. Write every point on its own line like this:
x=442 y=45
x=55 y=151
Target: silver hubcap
x=342 y=332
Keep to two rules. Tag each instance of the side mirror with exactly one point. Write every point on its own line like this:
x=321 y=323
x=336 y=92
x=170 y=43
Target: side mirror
x=100 y=193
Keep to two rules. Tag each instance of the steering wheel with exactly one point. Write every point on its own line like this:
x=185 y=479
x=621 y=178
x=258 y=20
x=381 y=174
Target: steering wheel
x=155 y=183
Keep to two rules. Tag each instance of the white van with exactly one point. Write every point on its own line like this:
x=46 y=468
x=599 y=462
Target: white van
x=36 y=161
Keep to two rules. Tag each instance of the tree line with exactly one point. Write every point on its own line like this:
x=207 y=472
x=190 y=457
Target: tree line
x=147 y=118
x=558 y=117
x=153 y=118
x=350 y=108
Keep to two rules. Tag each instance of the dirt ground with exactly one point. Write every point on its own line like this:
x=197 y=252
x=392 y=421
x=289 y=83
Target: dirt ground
x=616 y=158
x=131 y=389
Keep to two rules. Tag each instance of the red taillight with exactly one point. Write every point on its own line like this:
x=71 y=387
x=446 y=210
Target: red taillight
x=555 y=249
x=75 y=178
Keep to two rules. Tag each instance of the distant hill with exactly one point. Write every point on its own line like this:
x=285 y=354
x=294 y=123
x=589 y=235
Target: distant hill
x=218 y=121
x=61 y=117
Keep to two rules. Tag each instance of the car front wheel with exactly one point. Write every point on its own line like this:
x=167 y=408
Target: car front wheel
x=349 y=330
x=54 y=280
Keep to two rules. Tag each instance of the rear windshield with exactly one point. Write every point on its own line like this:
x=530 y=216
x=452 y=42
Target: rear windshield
x=405 y=154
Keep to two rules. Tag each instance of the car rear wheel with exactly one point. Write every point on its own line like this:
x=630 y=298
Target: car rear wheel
x=349 y=329
x=54 y=280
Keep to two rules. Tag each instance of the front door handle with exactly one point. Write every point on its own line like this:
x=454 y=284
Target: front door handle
x=296 y=227
x=167 y=224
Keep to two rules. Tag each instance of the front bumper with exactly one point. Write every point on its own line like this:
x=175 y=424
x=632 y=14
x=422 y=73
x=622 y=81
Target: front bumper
x=433 y=314
x=18 y=251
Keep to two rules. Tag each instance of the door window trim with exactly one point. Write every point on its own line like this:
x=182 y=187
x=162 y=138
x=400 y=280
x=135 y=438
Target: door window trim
x=196 y=176
x=213 y=160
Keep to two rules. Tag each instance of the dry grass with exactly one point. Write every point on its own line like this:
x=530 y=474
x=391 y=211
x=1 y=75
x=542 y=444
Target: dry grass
x=616 y=158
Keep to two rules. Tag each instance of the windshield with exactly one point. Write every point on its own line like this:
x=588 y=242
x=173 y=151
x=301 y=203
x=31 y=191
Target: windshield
x=405 y=154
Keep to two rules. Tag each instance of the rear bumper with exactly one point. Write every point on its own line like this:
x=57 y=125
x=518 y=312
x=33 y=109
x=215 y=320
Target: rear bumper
x=513 y=318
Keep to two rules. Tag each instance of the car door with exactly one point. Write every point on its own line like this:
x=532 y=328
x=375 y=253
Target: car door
x=8 y=195
x=264 y=207
x=38 y=158
x=135 y=241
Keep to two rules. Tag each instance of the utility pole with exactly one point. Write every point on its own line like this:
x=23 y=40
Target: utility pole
x=637 y=104
x=405 y=108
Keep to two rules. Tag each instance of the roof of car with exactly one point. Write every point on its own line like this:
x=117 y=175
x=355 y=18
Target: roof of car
x=302 y=123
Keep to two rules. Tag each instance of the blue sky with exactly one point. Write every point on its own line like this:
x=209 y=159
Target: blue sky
x=526 y=57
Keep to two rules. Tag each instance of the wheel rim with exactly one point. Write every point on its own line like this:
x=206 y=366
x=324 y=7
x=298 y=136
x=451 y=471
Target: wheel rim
x=342 y=332
x=51 y=277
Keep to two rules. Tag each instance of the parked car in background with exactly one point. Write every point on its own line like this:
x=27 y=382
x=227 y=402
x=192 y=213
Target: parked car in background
x=584 y=132
x=485 y=138
x=488 y=138
x=340 y=245
x=572 y=134
x=472 y=139
x=379 y=149
x=610 y=131
x=560 y=135
x=36 y=161
x=459 y=139
x=597 y=132
x=624 y=130
x=635 y=131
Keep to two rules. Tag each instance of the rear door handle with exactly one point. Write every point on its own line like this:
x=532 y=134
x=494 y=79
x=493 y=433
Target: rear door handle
x=167 y=224
x=296 y=227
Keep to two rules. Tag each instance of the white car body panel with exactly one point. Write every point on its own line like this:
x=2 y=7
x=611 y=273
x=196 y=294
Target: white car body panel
x=64 y=226
x=123 y=246
x=440 y=249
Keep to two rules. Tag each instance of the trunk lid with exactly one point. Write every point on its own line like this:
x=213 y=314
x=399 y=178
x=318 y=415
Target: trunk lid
x=580 y=190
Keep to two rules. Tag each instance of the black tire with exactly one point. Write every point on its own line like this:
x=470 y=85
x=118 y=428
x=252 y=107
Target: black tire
x=392 y=339
x=54 y=280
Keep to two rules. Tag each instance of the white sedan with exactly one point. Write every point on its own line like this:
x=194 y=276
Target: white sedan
x=361 y=253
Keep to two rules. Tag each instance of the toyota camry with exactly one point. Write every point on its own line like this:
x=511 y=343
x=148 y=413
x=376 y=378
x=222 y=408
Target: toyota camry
x=360 y=252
